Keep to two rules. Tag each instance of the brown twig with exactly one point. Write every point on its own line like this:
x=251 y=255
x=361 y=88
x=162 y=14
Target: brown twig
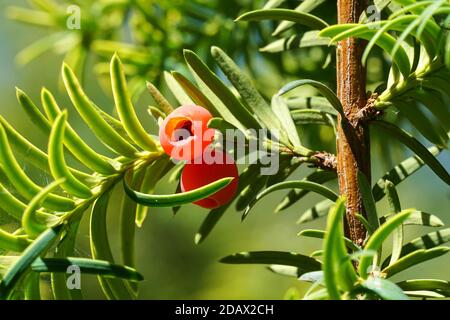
x=325 y=160
x=368 y=112
x=353 y=149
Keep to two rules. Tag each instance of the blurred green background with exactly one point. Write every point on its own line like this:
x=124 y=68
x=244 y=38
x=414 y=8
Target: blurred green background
x=173 y=266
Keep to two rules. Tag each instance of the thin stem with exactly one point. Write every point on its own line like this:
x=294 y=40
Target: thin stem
x=108 y=183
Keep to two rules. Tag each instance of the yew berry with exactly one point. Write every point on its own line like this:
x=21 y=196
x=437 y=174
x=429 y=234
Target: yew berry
x=184 y=133
x=196 y=175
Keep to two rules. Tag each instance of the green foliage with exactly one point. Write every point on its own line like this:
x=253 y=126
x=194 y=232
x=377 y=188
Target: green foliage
x=173 y=200
x=140 y=163
x=47 y=216
x=160 y=31
x=303 y=263
x=418 y=68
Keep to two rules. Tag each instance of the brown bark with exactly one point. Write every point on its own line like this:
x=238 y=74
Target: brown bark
x=353 y=150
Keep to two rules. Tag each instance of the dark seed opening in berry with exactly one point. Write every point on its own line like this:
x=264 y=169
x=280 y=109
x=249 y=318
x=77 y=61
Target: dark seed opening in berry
x=183 y=130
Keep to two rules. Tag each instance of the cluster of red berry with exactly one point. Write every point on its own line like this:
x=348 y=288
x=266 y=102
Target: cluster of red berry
x=184 y=135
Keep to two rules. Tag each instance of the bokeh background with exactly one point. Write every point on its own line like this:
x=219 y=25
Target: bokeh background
x=173 y=266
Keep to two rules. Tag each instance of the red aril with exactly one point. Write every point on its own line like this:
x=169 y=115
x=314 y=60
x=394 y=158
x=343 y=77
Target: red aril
x=184 y=133
x=196 y=175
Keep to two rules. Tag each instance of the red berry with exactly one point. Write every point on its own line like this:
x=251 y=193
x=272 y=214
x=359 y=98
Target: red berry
x=196 y=175
x=184 y=134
